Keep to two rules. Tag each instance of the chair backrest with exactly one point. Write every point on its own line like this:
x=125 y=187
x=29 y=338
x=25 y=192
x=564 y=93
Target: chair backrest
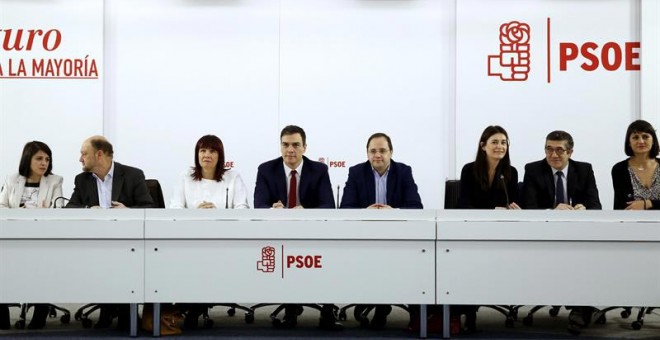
x=452 y=193
x=156 y=193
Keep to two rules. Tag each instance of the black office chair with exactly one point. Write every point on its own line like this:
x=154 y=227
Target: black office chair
x=600 y=315
x=362 y=316
x=156 y=193
x=52 y=313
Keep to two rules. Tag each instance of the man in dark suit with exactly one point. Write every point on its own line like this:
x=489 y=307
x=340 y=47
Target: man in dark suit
x=293 y=181
x=380 y=183
x=105 y=183
x=577 y=180
x=558 y=182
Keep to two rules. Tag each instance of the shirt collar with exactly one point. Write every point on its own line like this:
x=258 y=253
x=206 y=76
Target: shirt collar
x=110 y=174
x=564 y=170
x=387 y=171
x=298 y=169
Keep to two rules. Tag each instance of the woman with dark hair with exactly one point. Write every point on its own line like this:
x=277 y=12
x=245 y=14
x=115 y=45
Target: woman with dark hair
x=208 y=185
x=490 y=182
x=34 y=186
x=636 y=180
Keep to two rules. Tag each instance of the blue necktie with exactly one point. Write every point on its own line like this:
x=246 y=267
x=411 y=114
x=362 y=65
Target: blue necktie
x=559 y=189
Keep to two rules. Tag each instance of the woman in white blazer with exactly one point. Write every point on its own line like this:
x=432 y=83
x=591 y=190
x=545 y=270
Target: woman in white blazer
x=208 y=185
x=34 y=186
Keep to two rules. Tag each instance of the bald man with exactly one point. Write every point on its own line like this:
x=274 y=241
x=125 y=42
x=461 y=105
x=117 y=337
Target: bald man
x=105 y=183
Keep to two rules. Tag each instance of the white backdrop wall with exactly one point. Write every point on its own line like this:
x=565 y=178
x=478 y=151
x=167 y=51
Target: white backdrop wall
x=174 y=70
x=60 y=112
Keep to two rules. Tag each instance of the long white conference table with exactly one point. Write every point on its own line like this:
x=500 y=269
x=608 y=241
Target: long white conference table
x=330 y=256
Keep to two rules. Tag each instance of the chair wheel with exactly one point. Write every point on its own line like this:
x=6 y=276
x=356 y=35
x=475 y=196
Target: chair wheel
x=86 y=323
x=276 y=322
x=637 y=325
x=601 y=320
x=528 y=320
x=77 y=316
x=508 y=323
x=207 y=323
x=20 y=324
x=249 y=318
x=554 y=311
x=65 y=319
x=342 y=316
x=625 y=313
x=231 y=311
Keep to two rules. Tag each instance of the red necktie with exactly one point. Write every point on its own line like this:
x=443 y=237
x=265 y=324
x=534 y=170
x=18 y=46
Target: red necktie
x=292 y=190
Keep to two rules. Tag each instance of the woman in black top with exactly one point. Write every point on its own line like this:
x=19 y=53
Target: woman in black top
x=636 y=180
x=490 y=182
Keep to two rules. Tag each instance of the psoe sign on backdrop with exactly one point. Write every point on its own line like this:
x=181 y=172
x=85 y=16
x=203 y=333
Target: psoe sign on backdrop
x=513 y=62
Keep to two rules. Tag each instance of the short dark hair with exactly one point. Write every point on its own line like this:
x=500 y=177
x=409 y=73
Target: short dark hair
x=480 y=169
x=214 y=143
x=103 y=145
x=29 y=150
x=378 y=135
x=293 y=129
x=561 y=136
x=641 y=126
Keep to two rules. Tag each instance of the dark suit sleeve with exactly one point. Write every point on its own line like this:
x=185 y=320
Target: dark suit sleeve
x=411 y=199
x=141 y=196
x=349 y=198
x=326 y=198
x=591 y=199
x=261 y=193
x=530 y=194
x=76 y=198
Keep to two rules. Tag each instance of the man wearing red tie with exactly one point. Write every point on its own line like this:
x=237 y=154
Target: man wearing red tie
x=294 y=181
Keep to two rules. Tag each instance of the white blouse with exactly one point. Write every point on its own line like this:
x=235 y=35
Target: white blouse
x=190 y=193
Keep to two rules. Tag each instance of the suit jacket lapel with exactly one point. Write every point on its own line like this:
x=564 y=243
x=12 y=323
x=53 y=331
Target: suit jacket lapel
x=18 y=193
x=391 y=178
x=43 y=191
x=549 y=181
x=371 y=184
x=572 y=182
x=117 y=182
x=93 y=190
x=281 y=184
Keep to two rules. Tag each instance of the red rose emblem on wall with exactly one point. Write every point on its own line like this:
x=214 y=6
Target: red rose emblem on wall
x=512 y=63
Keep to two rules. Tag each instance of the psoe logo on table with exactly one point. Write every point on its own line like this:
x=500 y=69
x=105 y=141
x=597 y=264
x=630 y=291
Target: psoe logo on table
x=512 y=61
x=268 y=261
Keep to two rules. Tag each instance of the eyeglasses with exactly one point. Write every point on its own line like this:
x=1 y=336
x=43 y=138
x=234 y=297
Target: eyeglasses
x=380 y=151
x=558 y=151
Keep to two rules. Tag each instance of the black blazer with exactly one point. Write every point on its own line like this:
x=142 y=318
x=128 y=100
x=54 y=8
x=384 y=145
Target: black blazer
x=473 y=197
x=314 y=189
x=128 y=187
x=539 y=185
x=623 y=189
x=360 y=189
